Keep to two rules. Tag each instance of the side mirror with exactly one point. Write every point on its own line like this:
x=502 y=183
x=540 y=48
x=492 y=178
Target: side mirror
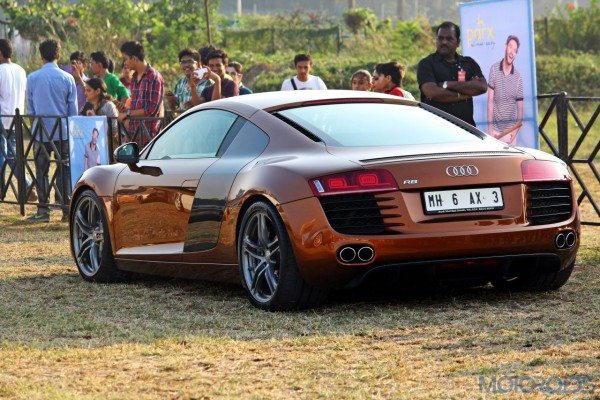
x=128 y=153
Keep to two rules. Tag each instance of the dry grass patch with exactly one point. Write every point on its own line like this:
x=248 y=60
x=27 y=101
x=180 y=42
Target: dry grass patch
x=155 y=338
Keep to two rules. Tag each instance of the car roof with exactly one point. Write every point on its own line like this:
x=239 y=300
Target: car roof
x=272 y=101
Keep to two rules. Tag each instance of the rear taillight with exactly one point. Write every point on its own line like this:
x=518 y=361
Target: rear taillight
x=538 y=170
x=372 y=180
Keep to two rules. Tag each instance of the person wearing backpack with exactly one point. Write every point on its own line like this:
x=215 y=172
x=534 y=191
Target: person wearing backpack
x=303 y=80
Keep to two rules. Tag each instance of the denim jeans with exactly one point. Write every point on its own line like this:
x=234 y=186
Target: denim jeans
x=8 y=150
x=42 y=166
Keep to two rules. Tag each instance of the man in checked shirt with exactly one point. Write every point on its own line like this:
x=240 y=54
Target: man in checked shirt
x=147 y=89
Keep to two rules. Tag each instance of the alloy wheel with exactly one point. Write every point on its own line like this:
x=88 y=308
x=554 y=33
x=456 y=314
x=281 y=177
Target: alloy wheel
x=88 y=236
x=261 y=257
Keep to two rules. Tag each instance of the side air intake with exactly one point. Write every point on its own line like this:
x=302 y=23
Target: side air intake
x=359 y=214
x=549 y=202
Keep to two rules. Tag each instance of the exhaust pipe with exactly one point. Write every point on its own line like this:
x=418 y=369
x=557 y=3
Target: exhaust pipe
x=569 y=239
x=560 y=240
x=347 y=254
x=365 y=254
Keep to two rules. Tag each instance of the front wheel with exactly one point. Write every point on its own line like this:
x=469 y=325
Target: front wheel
x=268 y=267
x=90 y=241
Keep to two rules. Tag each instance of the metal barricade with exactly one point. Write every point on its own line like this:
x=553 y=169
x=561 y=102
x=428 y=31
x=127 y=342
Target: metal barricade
x=34 y=156
x=583 y=156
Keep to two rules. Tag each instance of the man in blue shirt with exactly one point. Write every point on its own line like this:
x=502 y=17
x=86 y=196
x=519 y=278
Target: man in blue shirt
x=51 y=92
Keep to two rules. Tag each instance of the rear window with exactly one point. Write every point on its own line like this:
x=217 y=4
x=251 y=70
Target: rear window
x=375 y=124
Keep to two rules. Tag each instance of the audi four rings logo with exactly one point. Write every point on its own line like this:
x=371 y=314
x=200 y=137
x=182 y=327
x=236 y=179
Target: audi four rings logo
x=462 y=170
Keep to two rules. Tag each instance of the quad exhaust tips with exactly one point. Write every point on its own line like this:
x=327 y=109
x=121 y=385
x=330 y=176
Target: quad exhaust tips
x=356 y=254
x=565 y=239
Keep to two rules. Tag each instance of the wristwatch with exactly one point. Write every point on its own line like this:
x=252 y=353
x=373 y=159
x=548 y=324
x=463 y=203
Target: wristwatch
x=445 y=85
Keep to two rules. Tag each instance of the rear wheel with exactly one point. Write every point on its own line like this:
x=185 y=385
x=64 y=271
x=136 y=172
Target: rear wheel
x=268 y=267
x=535 y=279
x=90 y=242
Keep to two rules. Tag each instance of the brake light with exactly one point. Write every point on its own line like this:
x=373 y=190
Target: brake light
x=374 y=180
x=538 y=170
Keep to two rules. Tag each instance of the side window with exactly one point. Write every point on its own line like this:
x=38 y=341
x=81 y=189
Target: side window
x=198 y=135
x=250 y=141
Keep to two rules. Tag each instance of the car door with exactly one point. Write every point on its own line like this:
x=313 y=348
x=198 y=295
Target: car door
x=153 y=198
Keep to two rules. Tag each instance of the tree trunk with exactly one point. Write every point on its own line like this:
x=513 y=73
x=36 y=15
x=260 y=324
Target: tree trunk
x=207 y=14
x=351 y=4
x=400 y=10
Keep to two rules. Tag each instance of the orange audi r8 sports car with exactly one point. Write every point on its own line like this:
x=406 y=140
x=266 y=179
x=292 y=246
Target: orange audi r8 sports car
x=296 y=193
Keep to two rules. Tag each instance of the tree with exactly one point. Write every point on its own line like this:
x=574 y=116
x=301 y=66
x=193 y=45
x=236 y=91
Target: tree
x=359 y=18
x=177 y=24
x=40 y=19
x=104 y=25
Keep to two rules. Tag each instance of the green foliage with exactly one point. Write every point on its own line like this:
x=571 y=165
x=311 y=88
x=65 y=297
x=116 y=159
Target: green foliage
x=575 y=73
x=267 y=34
x=360 y=19
x=271 y=40
x=408 y=33
x=572 y=28
x=172 y=25
x=293 y=19
x=41 y=18
x=264 y=73
x=384 y=25
x=163 y=26
x=105 y=25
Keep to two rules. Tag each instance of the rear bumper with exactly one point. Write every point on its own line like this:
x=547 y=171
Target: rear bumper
x=316 y=246
x=470 y=269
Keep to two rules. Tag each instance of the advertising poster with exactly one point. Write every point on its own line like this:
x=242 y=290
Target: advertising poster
x=88 y=144
x=498 y=34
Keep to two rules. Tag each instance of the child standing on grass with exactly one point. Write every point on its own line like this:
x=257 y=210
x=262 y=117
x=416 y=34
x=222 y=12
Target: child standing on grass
x=361 y=80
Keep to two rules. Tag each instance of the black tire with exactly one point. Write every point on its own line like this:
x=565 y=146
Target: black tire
x=90 y=241
x=535 y=279
x=268 y=268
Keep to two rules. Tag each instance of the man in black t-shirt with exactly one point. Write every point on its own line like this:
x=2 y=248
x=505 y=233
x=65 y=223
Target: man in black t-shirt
x=447 y=80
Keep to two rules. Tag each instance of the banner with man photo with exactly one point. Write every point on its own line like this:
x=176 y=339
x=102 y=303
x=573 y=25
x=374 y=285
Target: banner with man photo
x=498 y=34
x=88 y=144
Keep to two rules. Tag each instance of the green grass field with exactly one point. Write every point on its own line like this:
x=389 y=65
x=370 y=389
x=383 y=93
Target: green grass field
x=155 y=338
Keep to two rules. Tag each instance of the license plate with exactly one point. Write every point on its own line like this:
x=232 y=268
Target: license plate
x=463 y=200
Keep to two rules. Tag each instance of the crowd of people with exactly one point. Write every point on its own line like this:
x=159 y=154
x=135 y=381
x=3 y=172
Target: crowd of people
x=138 y=96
